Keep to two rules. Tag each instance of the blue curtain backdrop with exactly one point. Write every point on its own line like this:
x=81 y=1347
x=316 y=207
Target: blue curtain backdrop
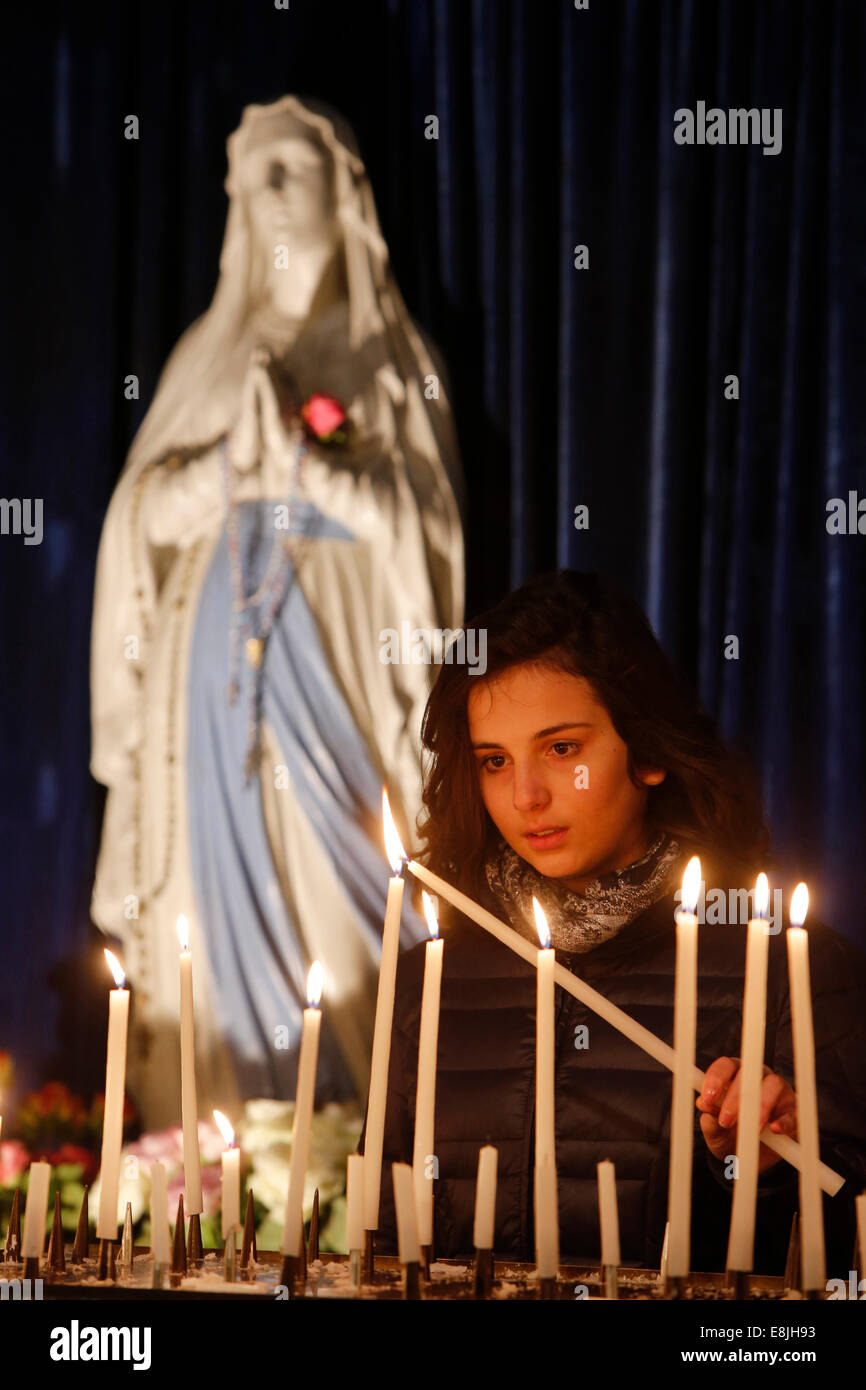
x=601 y=387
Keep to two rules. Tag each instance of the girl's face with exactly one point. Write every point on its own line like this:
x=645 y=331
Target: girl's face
x=553 y=774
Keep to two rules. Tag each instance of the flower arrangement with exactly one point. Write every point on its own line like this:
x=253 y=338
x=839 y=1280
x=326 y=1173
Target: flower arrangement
x=55 y=1125
x=264 y=1134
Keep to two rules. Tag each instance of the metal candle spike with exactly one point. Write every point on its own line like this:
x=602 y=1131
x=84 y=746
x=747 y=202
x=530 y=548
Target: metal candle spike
x=80 y=1246
x=610 y=1280
x=126 y=1248
x=483 y=1273
x=106 y=1266
x=178 y=1250
x=412 y=1285
x=56 y=1255
x=12 y=1248
x=194 y=1247
x=248 y=1248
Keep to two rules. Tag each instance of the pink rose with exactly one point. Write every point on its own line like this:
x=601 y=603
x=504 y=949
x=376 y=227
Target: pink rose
x=14 y=1158
x=322 y=414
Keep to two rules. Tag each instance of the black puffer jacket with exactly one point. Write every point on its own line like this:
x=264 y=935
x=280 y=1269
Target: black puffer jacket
x=612 y=1099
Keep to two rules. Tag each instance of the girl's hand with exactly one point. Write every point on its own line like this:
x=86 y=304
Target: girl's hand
x=720 y=1100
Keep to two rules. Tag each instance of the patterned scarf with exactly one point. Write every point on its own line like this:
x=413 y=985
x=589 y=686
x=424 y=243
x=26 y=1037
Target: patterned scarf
x=579 y=921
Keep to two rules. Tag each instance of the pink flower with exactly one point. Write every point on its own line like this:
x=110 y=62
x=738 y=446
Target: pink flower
x=14 y=1159
x=211 y=1185
x=322 y=414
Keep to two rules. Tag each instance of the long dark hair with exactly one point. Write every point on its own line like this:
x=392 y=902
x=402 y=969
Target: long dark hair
x=584 y=625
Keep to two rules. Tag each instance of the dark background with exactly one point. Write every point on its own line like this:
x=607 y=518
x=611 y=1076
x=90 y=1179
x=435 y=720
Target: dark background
x=602 y=387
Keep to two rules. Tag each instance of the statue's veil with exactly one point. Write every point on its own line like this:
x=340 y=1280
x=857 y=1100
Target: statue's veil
x=198 y=397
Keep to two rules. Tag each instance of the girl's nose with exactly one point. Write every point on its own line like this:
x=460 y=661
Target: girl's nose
x=528 y=789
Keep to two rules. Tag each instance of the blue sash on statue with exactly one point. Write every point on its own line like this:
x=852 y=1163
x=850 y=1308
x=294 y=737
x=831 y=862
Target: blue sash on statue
x=257 y=957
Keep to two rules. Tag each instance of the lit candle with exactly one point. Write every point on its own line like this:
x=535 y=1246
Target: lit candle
x=160 y=1242
x=485 y=1198
x=375 y=1122
x=355 y=1202
x=663 y=1053
x=231 y=1175
x=189 y=1102
x=682 y=1102
x=608 y=1213
x=741 y=1239
x=35 y=1211
x=293 y=1228
x=425 y=1092
x=545 y=1139
x=812 y=1254
x=115 y=1086
x=404 y=1206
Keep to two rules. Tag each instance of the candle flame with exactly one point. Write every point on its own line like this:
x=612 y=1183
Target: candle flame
x=224 y=1128
x=314 y=985
x=541 y=924
x=762 y=895
x=393 y=845
x=115 y=967
x=430 y=914
x=691 y=884
x=799 y=905
x=183 y=932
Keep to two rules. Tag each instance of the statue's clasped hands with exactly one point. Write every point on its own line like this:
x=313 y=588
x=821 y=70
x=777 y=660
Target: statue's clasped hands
x=259 y=434
x=719 y=1103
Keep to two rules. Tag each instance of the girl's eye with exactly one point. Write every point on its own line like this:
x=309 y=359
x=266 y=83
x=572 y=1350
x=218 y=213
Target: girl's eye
x=491 y=758
x=570 y=748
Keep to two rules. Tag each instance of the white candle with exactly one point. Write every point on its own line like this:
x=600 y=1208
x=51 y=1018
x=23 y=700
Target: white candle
x=545 y=1135
x=485 y=1198
x=812 y=1253
x=682 y=1102
x=355 y=1202
x=741 y=1239
x=423 y=1157
x=860 y=1203
x=404 y=1206
x=375 y=1122
x=115 y=1086
x=160 y=1240
x=230 y=1198
x=36 y=1211
x=608 y=1213
x=546 y=1219
x=189 y=1101
x=293 y=1227
x=781 y=1144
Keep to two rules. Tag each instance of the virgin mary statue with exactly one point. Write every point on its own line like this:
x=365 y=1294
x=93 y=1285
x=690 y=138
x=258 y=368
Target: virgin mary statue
x=244 y=720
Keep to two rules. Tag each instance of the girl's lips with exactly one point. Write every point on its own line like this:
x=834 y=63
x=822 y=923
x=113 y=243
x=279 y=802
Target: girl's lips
x=552 y=840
